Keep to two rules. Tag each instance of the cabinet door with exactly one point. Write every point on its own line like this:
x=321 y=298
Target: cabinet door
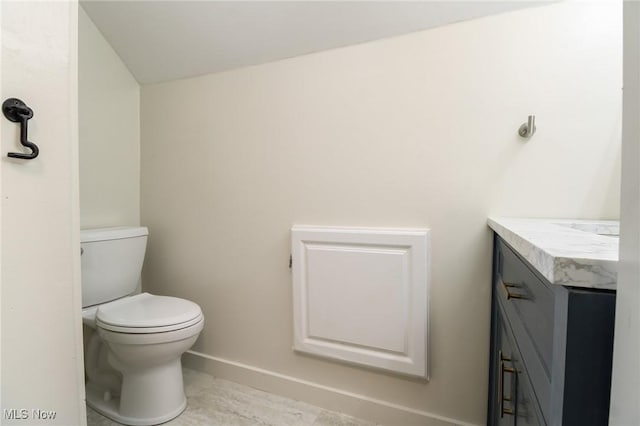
x=513 y=401
x=503 y=380
x=507 y=379
x=526 y=414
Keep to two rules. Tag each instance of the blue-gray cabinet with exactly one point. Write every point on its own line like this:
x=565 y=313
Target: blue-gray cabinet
x=551 y=348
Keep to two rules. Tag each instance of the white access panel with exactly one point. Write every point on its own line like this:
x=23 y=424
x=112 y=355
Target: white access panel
x=362 y=296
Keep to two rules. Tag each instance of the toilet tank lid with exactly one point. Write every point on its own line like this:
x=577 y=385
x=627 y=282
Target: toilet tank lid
x=112 y=233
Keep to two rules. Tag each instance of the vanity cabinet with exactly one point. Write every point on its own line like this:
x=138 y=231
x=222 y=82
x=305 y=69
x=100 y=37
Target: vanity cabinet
x=551 y=348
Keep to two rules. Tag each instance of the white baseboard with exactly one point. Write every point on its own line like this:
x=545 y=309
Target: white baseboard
x=357 y=405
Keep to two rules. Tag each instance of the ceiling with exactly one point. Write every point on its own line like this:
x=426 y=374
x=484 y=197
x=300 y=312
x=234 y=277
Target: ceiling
x=168 y=40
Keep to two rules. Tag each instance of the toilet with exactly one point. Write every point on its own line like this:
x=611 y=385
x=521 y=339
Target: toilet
x=132 y=358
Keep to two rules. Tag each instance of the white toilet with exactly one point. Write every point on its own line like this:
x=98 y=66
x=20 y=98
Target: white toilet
x=132 y=360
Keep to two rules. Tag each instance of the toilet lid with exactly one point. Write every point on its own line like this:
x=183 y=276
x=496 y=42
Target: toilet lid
x=146 y=311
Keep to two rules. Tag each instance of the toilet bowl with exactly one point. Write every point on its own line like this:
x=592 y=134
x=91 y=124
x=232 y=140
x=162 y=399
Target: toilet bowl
x=133 y=355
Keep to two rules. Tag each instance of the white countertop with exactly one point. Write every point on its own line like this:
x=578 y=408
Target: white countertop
x=577 y=253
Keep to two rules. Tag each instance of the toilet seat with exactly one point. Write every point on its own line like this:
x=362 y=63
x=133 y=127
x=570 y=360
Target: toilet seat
x=150 y=337
x=145 y=313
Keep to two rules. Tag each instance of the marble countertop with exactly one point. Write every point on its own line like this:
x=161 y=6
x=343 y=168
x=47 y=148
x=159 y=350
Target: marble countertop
x=577 y=253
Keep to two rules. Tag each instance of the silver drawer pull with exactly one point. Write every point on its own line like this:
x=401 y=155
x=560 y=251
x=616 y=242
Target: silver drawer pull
x=509 y=294
x=502 y=369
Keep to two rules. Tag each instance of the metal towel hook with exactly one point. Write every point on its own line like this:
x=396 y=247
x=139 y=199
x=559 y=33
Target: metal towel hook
x=18 y=112
x=529 y=128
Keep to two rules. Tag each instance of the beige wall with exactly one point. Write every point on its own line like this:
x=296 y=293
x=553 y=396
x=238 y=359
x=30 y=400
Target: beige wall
x=414 y=131
x=109 y=102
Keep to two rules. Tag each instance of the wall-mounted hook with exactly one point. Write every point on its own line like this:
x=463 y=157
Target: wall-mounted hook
x=18 y=112
x=529 y=128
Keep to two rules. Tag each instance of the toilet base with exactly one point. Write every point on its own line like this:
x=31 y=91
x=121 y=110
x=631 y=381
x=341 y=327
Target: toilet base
x=108 y=407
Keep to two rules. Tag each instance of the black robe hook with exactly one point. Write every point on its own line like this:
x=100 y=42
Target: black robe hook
x=18 y=112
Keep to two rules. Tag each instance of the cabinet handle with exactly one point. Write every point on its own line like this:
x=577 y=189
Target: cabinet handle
x=508 y=294
x=503 y=369
x=500 y=381
x=501 y=398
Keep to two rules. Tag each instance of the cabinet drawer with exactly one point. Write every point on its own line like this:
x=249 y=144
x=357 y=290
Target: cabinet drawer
x=529 y=308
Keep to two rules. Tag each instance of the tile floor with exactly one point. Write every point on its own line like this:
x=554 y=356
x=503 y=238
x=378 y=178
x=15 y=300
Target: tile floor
x=213 y=402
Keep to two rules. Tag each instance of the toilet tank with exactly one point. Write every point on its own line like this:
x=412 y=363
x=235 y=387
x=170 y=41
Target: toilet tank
x=111 y=262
